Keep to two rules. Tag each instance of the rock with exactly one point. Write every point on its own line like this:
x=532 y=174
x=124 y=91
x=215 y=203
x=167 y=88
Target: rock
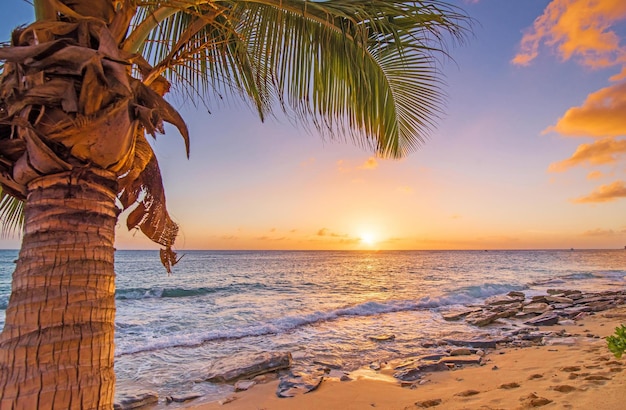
x=516 y=294
x=533 y=336
x=248 y=366
x=181 y=399
x=481 y=318
x=585 y=300
x=502 y=300
x=560 y=341
x=567 y=322
x=559 y=299
x=461 y=352
x=428 y=403
x=415 y=373
x=136 y=401
x=477 y=343
x=453 y=316
x=375 y=366
x=572 y=312
x=508 y=386
x=242 y=385
x=294 y=384
x=546 y=319
x=471 y=359
x=600 y=306
x=539 y=307
x=382 y=338
x=509 y=312
x=525 y=315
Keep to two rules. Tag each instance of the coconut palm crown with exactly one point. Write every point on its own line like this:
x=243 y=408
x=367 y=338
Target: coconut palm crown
x=82 y=86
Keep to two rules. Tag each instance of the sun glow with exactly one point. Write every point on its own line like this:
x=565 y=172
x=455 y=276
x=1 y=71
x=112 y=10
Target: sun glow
x=368 y=239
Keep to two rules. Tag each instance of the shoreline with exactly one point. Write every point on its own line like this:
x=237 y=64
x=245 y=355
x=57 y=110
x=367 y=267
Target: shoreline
x=577 y=372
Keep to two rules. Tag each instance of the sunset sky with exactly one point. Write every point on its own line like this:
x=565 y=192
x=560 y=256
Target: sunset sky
x=530 y=154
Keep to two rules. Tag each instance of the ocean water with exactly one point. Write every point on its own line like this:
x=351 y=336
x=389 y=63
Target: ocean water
x=320 y=306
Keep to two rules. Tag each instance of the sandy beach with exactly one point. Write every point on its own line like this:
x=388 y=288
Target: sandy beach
x=577 y=372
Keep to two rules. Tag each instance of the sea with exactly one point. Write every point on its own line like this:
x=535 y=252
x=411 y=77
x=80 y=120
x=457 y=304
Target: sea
x=322 y=306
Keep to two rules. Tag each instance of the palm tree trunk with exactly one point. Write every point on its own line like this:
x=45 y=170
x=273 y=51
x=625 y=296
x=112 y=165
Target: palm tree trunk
x=56 y=349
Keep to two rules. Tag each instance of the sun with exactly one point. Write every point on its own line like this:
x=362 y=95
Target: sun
x=368 y=239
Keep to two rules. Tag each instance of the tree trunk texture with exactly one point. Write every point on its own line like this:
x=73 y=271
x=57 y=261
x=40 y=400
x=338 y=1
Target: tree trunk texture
x=56 y=349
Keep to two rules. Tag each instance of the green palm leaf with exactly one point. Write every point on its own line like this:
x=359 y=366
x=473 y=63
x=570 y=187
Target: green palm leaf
x=362 y=69
x=11 y=214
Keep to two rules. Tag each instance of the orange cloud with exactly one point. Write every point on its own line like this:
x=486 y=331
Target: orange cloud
x=595 y=175
x=601 y=115
x=601 y=152
x=322 y=232
x=603 y=232
x=579 y=29
x=371 y=163
x=604 y=193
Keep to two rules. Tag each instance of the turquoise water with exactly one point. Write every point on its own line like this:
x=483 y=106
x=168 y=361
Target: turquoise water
x=317 y=305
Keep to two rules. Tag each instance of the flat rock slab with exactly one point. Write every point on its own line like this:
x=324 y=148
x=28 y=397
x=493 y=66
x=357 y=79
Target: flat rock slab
x=477 y=343
x=415 y=373
x=457 y=315
x=295 y=384
x=246 y=367
x=136 y=401
x=559 y=299
x=482 y=318
x=470 y=359
x=537 y=307
x=242 y=385
x=503 y=300
x=547 y=319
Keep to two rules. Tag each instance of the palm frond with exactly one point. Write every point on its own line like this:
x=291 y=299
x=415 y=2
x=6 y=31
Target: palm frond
x=11 y=214
x=362 y=69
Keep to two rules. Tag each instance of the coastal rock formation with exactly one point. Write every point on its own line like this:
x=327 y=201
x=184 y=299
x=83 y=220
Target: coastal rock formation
x=135 y=401
x=293 y=383
x=539 y=310
x=247 y=367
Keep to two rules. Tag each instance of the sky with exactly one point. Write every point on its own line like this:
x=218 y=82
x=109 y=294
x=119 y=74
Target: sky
x=530 y=154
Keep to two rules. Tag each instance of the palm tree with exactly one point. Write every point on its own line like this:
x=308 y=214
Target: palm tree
x=82 y=86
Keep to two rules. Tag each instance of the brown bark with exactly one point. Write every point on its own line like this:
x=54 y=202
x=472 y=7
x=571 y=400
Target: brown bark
x=56 y=349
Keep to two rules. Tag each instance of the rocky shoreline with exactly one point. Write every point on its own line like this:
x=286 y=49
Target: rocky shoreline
x=512 y=320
